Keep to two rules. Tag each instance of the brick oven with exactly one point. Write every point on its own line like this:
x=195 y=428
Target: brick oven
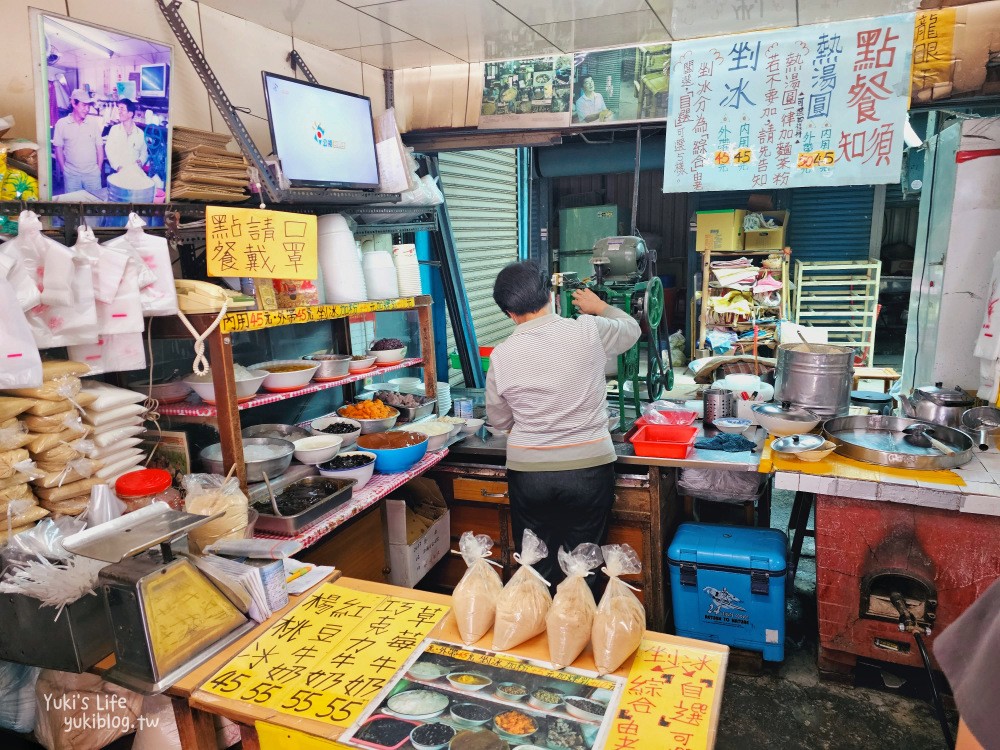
x=934 y=562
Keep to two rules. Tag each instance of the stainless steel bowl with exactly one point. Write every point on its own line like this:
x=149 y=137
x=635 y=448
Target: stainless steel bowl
x=375 y=425
x=330 y=365
x=281 y=431
x=211 y=457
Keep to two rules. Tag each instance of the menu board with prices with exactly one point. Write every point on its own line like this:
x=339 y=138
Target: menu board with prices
x=328 y=657
x=447 y=690
x=255 y=320
x=799 y=107
x=261 y=244
x=671 y=699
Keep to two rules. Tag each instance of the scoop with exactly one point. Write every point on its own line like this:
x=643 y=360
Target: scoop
x=274 y=501
x=922 y=436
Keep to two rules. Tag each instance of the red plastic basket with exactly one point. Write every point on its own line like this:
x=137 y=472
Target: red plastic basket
x=673 y=417
x=664 y=440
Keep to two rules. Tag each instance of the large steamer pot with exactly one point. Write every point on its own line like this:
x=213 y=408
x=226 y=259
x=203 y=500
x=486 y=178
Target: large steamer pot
x=817 y=377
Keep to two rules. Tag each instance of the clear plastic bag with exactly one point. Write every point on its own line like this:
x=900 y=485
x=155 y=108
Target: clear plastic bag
x=22 y=364
x=571 y=616
x=66 y=705
x=524 y=602
x=156 y=278
x=17 y=696
x=207 y=494
x=723 y=486
x=620 y=619
x=474 y=600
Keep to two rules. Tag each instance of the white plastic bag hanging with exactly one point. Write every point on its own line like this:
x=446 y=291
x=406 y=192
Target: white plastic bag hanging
x=20 y=364
x=159 y=297
x=525 y=600
x=474 y=600
x=115 y=353
x=571 y=616
x=115 y=276
x=620 y=619
x=25 y=291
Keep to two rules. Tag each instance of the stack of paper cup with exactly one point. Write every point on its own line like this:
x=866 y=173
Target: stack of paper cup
x=340 y=266
x=407 y=270
x=380 y=275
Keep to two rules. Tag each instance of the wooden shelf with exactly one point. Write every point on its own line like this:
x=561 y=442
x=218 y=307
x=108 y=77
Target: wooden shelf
x=195 y=407
x=243 y=321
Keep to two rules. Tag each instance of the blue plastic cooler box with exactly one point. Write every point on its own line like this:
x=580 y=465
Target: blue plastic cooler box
x=728 y=586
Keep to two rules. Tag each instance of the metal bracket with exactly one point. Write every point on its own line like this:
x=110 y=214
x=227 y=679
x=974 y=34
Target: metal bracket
x=297 y=63
x=171 y=12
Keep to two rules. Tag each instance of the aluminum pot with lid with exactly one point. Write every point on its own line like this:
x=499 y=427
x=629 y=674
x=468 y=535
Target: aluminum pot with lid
x=816 y=377
x=933 y=403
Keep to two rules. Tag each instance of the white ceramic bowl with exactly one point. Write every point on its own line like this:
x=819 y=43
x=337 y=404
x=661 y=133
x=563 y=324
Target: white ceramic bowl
x=405 y=385
x=456 y=424
x=375 y=425
x=780 y=426
x=245 y=389
x=472 y=425
x=357 y=365
x=281 y=382
x=436 y=439
x=316 y=449
x=817 y=455
x=348 y=438
x=165 y=393
x=385 y=356
x=472 y=688
x=361 y=474
x=583 y=713
x=732 y=425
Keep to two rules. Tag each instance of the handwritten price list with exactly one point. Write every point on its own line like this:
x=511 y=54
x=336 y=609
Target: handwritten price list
x=329 y=656
x=669 y=699
x=256 y=320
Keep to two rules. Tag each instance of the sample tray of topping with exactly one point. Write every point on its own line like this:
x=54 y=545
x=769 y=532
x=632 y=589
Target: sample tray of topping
x=466 y=699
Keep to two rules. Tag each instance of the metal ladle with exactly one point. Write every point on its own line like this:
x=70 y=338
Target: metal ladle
x=922 y=436
x=274 y=501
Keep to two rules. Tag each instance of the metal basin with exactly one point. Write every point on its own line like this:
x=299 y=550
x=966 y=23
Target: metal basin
x=876 y=439
x=339 y=491
x=273 y=467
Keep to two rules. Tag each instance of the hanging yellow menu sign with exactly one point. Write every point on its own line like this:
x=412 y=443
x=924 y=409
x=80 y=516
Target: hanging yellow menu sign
x=327 y=658
x=252 y=242
x=671 y=699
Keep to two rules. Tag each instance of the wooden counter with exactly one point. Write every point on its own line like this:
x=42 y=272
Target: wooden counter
x=203 y=704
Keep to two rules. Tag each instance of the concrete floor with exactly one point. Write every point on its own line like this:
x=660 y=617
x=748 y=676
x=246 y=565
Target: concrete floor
x=787 y=706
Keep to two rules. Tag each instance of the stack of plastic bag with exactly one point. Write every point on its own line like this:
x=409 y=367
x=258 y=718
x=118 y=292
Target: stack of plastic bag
x=116 y=417
x=117 y=276
x=66 y=313
x=53 y=443
x=156 y=283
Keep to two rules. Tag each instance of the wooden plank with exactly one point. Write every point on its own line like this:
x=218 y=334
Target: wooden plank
x=220 y=348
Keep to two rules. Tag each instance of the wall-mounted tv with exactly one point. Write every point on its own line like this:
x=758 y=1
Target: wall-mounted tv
x=153 y=80
x=323 y=137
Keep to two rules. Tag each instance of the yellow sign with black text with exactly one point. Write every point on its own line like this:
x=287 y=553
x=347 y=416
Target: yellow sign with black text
x=260 y=244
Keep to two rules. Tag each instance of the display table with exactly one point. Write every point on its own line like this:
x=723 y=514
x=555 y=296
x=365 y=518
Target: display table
x=698 y=671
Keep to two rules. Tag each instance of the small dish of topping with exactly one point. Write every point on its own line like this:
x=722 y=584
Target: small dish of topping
x=470 y=714
x=511 y=691
x=432 y=736
x=585 y=708
x=547 y=699
x=469 y=681
x=418 y=704
x=515 y=724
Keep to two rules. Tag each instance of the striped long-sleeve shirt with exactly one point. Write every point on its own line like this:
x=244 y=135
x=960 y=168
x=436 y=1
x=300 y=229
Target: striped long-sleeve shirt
x=546 y=384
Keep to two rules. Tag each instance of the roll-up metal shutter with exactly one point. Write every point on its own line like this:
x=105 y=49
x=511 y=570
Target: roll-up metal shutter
x=481 y=190
x=831 y=223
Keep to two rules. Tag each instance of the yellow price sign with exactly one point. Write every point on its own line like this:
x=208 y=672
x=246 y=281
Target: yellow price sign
x=327 y=658
x=260 y=244
x=670 y=699
x=824 y=158
x=810 y=159
x=722 y=158
x=743 y=156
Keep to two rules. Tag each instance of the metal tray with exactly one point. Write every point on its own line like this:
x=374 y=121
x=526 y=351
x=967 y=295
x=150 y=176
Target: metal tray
x=413 y=413
x=877 y=439
x=292 y=525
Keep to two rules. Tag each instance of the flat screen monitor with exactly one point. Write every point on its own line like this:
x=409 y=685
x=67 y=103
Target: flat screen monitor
x=322 y=136
x=153 y=80
x=126 y=90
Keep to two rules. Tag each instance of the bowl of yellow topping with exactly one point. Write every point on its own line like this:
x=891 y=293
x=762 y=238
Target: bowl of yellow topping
x=469 y=681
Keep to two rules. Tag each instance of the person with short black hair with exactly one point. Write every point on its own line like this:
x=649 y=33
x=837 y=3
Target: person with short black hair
x=78 y=147
x=546 y=384
x=126 y=141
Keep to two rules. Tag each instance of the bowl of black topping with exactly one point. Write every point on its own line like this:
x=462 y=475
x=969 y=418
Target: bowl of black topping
x=356 y=465
x=301 y=503
x=347 y=429
x=470 y=714
x=432 y=736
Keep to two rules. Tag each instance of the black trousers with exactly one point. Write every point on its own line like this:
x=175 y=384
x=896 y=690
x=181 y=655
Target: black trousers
x=564 y=509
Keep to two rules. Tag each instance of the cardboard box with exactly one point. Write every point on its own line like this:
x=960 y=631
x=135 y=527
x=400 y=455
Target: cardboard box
x=951 y=51
x=409 y=563
x=768 y=239
x=720 y=231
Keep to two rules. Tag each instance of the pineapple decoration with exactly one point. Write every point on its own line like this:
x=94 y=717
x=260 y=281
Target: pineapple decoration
x=15 y=185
